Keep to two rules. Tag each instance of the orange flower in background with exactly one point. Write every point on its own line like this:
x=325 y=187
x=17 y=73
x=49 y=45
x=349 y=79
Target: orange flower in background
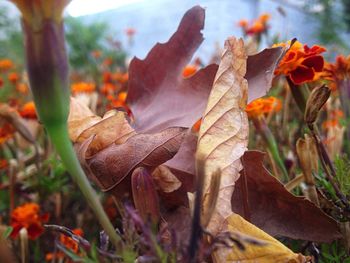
x=22 y=88
x=6 y=132
x=108 y=88
x=6 y=64
x=130 y=31
x=96 y=54
x=28 y=111
x=255 y=27
x=107 y=62
x=189 y=70
x=301 y=63
x=68 y=243
x=28 y=216
x=83 y=87
x=13 y=77
x=107 y=77
x=261 y=106
x=122 y=78
x=118 y=102
x=337 y=71
x=334 y=119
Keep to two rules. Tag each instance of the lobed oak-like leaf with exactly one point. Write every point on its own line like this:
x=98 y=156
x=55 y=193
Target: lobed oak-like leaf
x=275 y=210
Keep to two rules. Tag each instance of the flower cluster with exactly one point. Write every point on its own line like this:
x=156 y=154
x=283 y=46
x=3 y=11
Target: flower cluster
x=28 y=216
x=301 y=63
x=68 y=243
x=255 y=27
x=262 y=106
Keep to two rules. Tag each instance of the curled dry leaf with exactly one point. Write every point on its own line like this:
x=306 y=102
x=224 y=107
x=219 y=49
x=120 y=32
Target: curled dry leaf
x=165 y=179
x=277 y=211
x=223 y=136
x=112 y=164
x=109 y=149
x=271 y=251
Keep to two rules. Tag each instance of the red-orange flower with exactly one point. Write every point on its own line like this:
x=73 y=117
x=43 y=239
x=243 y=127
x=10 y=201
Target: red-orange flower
x=334 y=119
x=28 y=216
x=262 y=106
x=1 y=82
x=6 y=132
x=255 y=27
x=96 y=54
x=6 y=64
x=122 y=78
x=13 y=77
x=130 y=31
x=22 y=88
x=107 y=77
x=301 y=63
x=28 y=110
x=82 y=87
x=189 y=70
x=68 y=243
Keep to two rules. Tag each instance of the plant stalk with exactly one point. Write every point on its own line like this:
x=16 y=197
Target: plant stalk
x=60 y=138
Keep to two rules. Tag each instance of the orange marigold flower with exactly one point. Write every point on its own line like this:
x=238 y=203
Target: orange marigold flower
x=122 y=96
x=108 y=88
x=122 y=78
x=130 y=31
x=255 y=27
x=243 y=23
x=302 y=63
x=197 y=126
x=82 y=87
x=13 y=77
x=338 y=71
x=107 y=77
x=22 y=88
x=189 y=70
x=68 y=243
x=6 y=132
x=107 y=62
x=6 y=64
x=28 y=111
x=262 y=106
x=28 y=216
x=264 y=17
x=96 y=54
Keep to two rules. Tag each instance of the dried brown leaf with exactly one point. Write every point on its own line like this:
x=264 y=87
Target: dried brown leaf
x=111 y=165
x=223 y=136
x=159 y=96
x=277 y=211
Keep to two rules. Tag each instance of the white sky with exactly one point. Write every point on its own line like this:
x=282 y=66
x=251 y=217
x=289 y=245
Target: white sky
x=85 y=7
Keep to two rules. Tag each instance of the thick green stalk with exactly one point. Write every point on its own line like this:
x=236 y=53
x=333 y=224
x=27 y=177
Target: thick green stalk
x=59 y=137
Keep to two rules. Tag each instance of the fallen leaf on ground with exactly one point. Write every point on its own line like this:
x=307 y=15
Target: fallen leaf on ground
x=272 y=251
x=277 y=211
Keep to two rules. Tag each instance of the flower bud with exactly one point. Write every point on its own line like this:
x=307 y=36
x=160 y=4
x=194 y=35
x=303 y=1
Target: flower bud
x=46 y=58
x=316 y=100
x=145 y=195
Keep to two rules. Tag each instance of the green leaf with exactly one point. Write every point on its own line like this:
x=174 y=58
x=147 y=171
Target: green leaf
x=7 y=232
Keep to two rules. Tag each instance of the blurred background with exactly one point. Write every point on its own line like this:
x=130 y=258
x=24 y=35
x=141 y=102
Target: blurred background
x=136 y=25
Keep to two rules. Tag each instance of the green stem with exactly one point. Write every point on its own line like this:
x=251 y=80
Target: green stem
x=262 y=127
x=60 y=139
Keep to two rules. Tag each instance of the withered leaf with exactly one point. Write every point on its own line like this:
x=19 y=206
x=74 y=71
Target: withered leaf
x=260 y=71
x=158 y=95
x=111 y=165
x=277 y=211
x=271 y=251
x=223 y=136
